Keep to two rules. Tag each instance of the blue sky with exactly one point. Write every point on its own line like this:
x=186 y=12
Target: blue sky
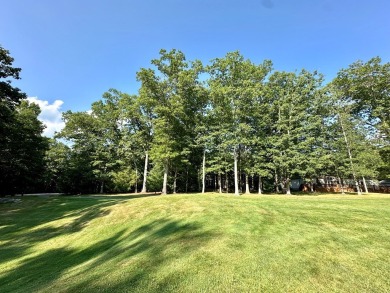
x=73 y=51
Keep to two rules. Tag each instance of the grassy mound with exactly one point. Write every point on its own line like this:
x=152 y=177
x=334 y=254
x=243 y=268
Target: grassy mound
x=196 y=243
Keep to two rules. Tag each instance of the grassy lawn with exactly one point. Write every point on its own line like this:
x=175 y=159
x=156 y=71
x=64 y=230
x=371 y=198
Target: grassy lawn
x=196 y=243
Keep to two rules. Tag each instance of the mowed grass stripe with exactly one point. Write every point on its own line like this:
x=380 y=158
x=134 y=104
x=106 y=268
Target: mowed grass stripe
x=196 y=243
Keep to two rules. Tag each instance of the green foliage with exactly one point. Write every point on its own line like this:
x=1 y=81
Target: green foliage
x=10 y=96
x=355 y=145
x=245 y=119
x=235 y=85
x=21 y=145
x=57 y=159
x=175 y=98
x=22 y=151
x=384 y=169
x=295 y=137
x=368 y=87
x=124 y=180
x=95 y=136
x=155 y=180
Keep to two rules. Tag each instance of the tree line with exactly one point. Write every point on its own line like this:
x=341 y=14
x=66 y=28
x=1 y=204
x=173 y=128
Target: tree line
x=230 y=124
x=22 y=147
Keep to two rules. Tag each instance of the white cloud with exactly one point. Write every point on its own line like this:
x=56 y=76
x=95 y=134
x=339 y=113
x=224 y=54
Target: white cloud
x=50 y=115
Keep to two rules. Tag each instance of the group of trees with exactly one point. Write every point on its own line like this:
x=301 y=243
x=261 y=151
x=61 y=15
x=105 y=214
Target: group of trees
x=22 y=147
x=231 y=124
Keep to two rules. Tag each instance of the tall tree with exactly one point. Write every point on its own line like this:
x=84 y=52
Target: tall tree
x=22 y=146
x=57 y=167
x=350 y=136
x=106 y=114
x=26 y=149
x=95 y=136
x=10 y=96
x=136 y=132
x=81 y=129
x=368 y=86
x=172 y=95
x=234 y=84
x=295 y=121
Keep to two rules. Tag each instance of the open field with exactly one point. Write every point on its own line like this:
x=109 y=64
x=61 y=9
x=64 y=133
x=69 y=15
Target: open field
x=196 y=243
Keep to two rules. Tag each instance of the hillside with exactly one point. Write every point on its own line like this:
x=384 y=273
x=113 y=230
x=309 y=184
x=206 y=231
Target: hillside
x=196 y=243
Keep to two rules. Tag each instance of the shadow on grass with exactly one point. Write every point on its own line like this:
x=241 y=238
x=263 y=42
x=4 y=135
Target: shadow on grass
x=120 y=196
x=138 y=254
x=27 y=223
x=37 y=272
x=33 y=211
x=319 y=193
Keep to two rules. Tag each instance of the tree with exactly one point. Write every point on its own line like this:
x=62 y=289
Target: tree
x=367 y=85
x=107 y=116
x=23 y=161
x=95 y=136
x=347 y=131
x=81 y=130
x=136 y=134
x=57 y=167
x=22 y=146
x=352 y=143
x=10 y=96
x=368 y=161
x=295 y=121
x=234 y=84
x=241 y=122
x=172 y=95
x=384 y=169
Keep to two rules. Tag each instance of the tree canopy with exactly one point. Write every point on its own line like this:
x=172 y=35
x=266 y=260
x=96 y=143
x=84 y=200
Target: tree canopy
x=22 y=147
x=230 y=125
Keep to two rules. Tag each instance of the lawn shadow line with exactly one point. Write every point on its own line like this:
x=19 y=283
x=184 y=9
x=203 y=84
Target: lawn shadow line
x=150 y=242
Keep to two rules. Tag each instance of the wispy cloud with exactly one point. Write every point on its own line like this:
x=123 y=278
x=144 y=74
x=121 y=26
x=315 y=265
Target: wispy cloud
x=50 y=115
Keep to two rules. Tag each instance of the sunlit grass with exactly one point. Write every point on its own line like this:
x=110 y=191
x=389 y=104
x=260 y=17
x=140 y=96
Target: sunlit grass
x=196 y=243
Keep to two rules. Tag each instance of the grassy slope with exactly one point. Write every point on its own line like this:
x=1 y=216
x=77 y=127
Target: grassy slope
x=196 y=243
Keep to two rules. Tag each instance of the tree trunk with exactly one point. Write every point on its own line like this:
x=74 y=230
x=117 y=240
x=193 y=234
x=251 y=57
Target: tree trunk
x=227 y=182
x=365 y=185
x=357 y=186
x=236 y=191
x=260 y=191
x=174 y=181
x=204 y=172
x=164 y=188
x=288 y=190
x=187 y=180
x=102 y=187
x=136 y=180
x=311 y=185
x=239 y=169
x=350 y=157
x=219 y=182
x=247 y=184
x=198 y=179
x=145 y=172
x=276 y=182
x=342 y=186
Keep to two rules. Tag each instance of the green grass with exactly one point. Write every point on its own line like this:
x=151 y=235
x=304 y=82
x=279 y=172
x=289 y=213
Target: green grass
x=196 y=243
